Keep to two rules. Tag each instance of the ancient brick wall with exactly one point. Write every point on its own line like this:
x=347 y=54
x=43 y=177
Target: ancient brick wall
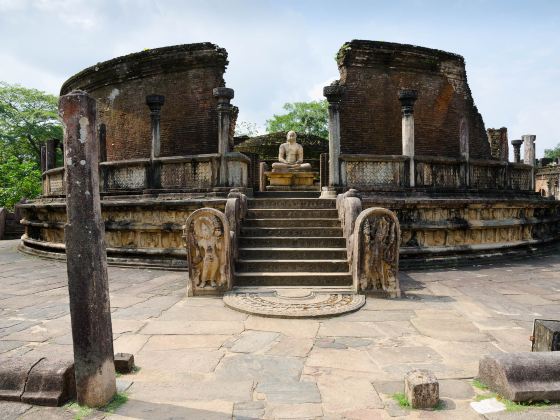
x=184 y=74
x=370 y=113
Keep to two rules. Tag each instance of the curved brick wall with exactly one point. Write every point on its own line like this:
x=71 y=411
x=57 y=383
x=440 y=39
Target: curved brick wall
x=370 y=113
x=184 y=74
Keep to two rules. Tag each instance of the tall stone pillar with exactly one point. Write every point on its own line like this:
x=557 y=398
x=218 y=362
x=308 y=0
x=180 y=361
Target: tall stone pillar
x=51 y=153
x=155 y=102
x=43 y=158
x=334 y=94
x=224 y=96
x=529 y=154
x=408 y=97
x=516 y=150
x=84 y=232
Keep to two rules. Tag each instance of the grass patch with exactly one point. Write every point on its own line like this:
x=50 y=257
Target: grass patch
x=520 y=406
x=486 y=396
x=400 y=398
x=80 y=411
x=119 y=399
x=477 y=384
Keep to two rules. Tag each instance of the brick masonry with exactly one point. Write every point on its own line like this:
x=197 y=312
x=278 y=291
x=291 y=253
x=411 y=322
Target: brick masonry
x=370 y=113
x=184 y=74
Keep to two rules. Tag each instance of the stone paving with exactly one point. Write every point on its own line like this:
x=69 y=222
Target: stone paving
x=201 y=360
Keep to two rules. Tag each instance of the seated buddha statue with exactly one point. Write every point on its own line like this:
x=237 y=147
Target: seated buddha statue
x=290 y=156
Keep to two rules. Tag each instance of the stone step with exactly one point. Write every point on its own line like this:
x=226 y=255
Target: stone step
x=292 y=231
x=291 y=222
x=292 y=279
x=292 y=266
x=291 y=203
x=292 y=253
x=287 y=194
x=291 y=242
x=292 y=213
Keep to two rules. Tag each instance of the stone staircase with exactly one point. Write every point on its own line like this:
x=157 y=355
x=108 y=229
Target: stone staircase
x=292 y=239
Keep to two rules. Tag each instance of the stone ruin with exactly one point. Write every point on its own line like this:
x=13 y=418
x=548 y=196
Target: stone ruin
x=418 y=148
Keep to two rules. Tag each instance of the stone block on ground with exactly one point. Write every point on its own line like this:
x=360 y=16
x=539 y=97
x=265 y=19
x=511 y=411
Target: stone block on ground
x=13 y=376
x=124 y=362
x=522 y=376
x=421 y=388
x=546 y=335
x=51 y=383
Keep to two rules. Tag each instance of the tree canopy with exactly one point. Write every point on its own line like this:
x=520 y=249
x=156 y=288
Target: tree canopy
x=304 y=117
x=552 y=153
x=28 y=118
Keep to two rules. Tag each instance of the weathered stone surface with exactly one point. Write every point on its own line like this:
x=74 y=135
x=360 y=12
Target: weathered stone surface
x=248 y=410
x=421 y=389
x=288 y=327
x=289 y=392
x=86 y=258
x=522 y=376
x=50 y=382
x=253 y=341
x=546 y=335
x=259 y=368
x=124 y=362
x=375 y=252
x=340 y=395
x=14 y=372
x=13 y=410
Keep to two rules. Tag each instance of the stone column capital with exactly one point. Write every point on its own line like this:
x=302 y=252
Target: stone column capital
x=155 y=102
x=334 y=93
x=223 y=94
x=407 y=98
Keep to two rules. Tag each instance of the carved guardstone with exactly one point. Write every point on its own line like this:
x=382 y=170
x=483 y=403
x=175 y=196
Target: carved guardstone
x=375 y=256
x=207 y=238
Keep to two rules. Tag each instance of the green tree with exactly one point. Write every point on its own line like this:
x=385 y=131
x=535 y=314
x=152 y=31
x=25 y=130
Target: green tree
x=552 y=153
x=304 y=117
x=28 y=117
x=18 y=179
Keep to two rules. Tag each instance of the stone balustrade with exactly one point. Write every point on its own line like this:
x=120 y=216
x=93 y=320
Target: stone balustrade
x=391 y=173
x=197 y=173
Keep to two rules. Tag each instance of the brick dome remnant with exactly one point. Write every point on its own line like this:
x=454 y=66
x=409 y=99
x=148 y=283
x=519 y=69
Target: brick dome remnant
x=184 y=74
x=373 y=72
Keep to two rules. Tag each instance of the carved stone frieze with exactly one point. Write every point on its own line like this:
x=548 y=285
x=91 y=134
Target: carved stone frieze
x=207 y=238
x=375 y=260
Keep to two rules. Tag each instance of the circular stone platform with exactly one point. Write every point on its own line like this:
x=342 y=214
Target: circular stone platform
x=294 y=303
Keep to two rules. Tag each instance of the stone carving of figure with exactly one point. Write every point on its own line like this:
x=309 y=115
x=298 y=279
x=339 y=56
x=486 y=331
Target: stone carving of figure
x=290 y=156
x=377 y=239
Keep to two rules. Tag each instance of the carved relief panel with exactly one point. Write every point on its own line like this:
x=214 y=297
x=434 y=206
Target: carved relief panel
x=207 y=238
x=376 y=245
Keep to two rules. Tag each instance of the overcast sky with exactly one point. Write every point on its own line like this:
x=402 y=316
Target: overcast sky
x=283 y=51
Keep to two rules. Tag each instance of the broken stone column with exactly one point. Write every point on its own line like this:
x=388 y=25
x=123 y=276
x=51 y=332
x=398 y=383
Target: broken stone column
x=334 y=94
x=421 y=389
x=43 y=158
x=84 y=232
x=155 y=102
x=498 y=140
x=529 y=154
x=224 y=95
x=516 y=150
x=408 y=97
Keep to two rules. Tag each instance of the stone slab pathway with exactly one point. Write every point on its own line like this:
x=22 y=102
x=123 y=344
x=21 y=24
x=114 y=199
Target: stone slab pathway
x=199 y=359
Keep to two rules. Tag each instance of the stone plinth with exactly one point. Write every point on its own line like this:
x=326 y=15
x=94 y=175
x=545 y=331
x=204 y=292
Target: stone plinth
x=297 y=180
x=421 y=389
x=522 y=376
x=546 y=335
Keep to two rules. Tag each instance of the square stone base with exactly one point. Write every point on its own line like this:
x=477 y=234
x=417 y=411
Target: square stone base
x=290 y=179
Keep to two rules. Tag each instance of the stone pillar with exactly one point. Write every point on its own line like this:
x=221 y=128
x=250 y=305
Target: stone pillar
x=224 y=95
x=407 y=97
x=516 y=150
x=88 y=285
x=334 y=94
x=155 y=102
x=43 y=158
x=529 y=154
x=103 y=143
x=51 y=153
x=498 y=141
